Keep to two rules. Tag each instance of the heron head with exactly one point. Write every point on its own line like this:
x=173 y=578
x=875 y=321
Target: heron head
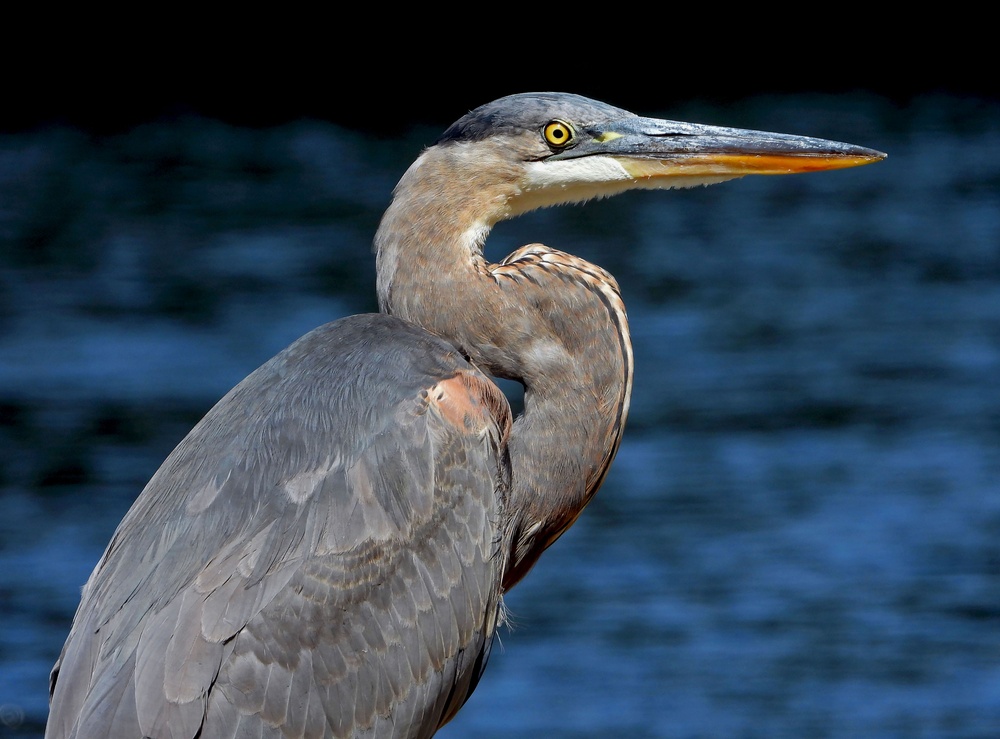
x=566 y=148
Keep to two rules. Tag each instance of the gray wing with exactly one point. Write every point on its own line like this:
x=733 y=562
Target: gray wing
x=318 y=557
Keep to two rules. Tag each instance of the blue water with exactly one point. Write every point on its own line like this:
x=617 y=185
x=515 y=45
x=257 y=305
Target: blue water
x=801 y=534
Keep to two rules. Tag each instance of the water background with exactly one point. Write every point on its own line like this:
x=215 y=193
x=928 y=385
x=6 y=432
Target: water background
x=801 y=534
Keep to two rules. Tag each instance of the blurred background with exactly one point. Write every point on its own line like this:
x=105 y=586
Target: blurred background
x=801 y=534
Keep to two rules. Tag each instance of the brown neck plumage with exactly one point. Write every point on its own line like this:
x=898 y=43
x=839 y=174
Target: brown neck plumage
x=552 y=321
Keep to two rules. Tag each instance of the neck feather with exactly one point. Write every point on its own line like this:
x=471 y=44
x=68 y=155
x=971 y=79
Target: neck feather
x=552 y=321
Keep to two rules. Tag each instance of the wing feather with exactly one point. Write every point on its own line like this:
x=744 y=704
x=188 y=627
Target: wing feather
x=319 y=557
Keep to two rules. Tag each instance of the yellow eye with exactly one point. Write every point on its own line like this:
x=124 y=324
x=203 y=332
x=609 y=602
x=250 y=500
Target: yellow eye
x=558 y=134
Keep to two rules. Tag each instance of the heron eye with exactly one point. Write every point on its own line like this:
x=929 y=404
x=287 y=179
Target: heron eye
x=558 y=134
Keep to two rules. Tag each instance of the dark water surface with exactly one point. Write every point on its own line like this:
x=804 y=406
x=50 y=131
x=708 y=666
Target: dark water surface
x=801 y=534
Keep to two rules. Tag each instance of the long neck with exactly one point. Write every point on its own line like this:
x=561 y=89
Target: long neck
x=549 y=320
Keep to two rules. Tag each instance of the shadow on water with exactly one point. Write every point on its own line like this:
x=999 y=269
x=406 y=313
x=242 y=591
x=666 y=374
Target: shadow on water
x=801 y=534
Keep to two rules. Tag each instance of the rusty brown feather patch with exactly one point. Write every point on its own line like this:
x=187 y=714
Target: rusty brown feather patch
x=471 y=403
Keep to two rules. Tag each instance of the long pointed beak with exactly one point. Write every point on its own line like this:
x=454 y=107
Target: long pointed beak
x=654 y=148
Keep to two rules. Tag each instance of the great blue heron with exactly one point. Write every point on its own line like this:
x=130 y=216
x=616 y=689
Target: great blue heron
x=326 y=552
